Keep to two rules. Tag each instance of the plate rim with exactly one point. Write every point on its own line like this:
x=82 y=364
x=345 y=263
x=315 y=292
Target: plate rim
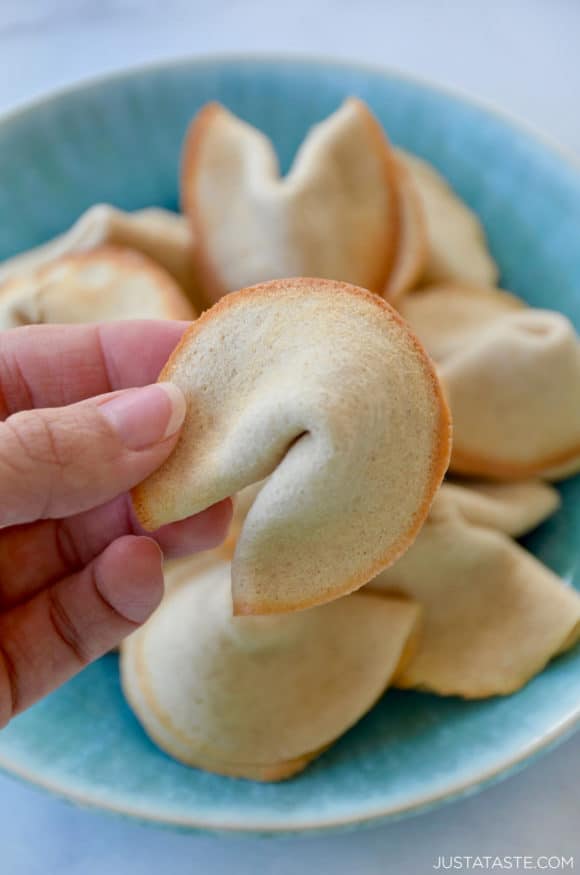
x=453 y=92
x=375 y=816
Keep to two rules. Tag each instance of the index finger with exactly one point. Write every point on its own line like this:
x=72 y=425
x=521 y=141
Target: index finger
x=56 y=365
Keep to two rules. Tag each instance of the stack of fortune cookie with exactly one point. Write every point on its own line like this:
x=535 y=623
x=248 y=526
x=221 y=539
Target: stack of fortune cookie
x=322 y=396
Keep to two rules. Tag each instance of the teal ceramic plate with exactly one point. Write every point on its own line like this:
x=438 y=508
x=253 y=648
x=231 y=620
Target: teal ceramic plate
x=118 y=140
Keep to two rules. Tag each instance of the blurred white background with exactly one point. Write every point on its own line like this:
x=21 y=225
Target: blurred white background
x=521 y=55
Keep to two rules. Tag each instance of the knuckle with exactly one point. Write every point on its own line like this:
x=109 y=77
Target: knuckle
x=15 y=391
x=54 y=462
x=32 y=459
x=66 y=629
x=66 y=546
x=39 y=438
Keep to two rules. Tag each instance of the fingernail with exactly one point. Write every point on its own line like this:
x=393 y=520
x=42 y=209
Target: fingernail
x=146 y=416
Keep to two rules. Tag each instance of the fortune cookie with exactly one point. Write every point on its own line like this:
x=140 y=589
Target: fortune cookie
x=512 y=508
x=412 y=244
x=456 y=244
x=446 y=317
x=493 y=616
x=321 y=386
x=94 y=286
x=512 y=379
x=160 y=234
x=259 y=697
x=334 y=215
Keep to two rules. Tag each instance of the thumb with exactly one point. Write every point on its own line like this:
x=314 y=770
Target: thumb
x=59 y=461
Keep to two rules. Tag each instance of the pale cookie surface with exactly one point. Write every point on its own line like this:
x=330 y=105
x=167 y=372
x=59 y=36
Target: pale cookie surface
x=334 y=215
x=493 y=615
x=446 y=316
x=412 y=244
x=160 y=234
x=321 y=386
x=259 y=697
x=109 y=283
x=512 y=378
x=515 y=396
x=457 y=248
x=512 y=508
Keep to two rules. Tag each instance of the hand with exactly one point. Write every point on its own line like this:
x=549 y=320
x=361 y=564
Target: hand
x=77 y=574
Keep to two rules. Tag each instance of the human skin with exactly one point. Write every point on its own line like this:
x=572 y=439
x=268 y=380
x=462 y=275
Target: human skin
x=81 y=423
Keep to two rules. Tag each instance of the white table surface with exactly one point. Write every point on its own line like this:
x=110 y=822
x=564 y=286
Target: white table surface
x=523 y=57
